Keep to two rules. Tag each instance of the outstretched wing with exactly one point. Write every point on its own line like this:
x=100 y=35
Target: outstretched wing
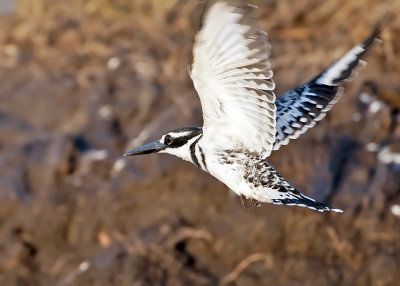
x=300 y=109
x=232 y=76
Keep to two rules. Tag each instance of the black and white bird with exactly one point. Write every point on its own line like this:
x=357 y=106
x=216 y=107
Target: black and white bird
x=243 y=122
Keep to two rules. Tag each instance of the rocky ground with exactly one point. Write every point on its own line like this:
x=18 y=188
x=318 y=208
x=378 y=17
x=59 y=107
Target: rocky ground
x=83 y=81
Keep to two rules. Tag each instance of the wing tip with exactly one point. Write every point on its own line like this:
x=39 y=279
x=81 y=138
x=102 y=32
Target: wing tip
x=373 y=38
x=343 y=70
x=381 y=25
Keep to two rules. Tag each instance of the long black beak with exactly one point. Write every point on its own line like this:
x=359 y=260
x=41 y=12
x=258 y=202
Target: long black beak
x=152 y=147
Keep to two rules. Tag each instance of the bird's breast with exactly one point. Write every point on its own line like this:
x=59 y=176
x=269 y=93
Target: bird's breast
x=228 y=166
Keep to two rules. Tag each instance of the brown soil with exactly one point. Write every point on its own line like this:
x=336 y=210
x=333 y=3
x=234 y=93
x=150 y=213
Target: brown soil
x=82 y=81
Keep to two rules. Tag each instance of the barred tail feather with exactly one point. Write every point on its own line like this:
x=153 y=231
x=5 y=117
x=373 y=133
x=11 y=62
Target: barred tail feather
x=280 y=192
x=304 y=201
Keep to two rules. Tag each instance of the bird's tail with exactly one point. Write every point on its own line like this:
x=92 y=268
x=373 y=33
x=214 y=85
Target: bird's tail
x=282 y=193
x=301 y=200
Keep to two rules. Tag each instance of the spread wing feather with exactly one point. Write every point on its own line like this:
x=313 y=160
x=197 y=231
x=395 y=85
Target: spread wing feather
x=301 y=108
x=232 y=76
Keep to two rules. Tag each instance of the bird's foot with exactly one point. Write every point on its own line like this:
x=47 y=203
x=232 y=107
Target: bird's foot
x=247 y=203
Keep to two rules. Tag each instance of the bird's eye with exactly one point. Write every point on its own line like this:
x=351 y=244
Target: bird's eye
x=168 y=140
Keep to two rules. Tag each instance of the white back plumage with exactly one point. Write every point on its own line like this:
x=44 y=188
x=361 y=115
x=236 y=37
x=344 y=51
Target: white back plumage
x=232 y=76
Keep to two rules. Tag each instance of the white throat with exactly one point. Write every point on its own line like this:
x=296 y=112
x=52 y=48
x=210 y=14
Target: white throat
x=184 y=152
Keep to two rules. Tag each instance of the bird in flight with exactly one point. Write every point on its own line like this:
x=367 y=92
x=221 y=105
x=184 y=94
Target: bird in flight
x=243 y=122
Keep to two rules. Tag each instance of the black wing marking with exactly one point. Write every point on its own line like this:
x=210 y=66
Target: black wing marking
x=301 y=108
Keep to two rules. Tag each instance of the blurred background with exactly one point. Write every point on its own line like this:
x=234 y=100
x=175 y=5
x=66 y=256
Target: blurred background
x=83 y=81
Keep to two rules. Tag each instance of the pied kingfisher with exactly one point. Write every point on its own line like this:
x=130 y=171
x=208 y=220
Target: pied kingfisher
x=243 y=122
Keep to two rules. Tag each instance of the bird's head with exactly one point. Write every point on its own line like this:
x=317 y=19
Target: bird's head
x=176 y=142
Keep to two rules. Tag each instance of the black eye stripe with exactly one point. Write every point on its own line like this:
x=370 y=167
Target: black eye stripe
x=180 y=141
x=175 y=142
